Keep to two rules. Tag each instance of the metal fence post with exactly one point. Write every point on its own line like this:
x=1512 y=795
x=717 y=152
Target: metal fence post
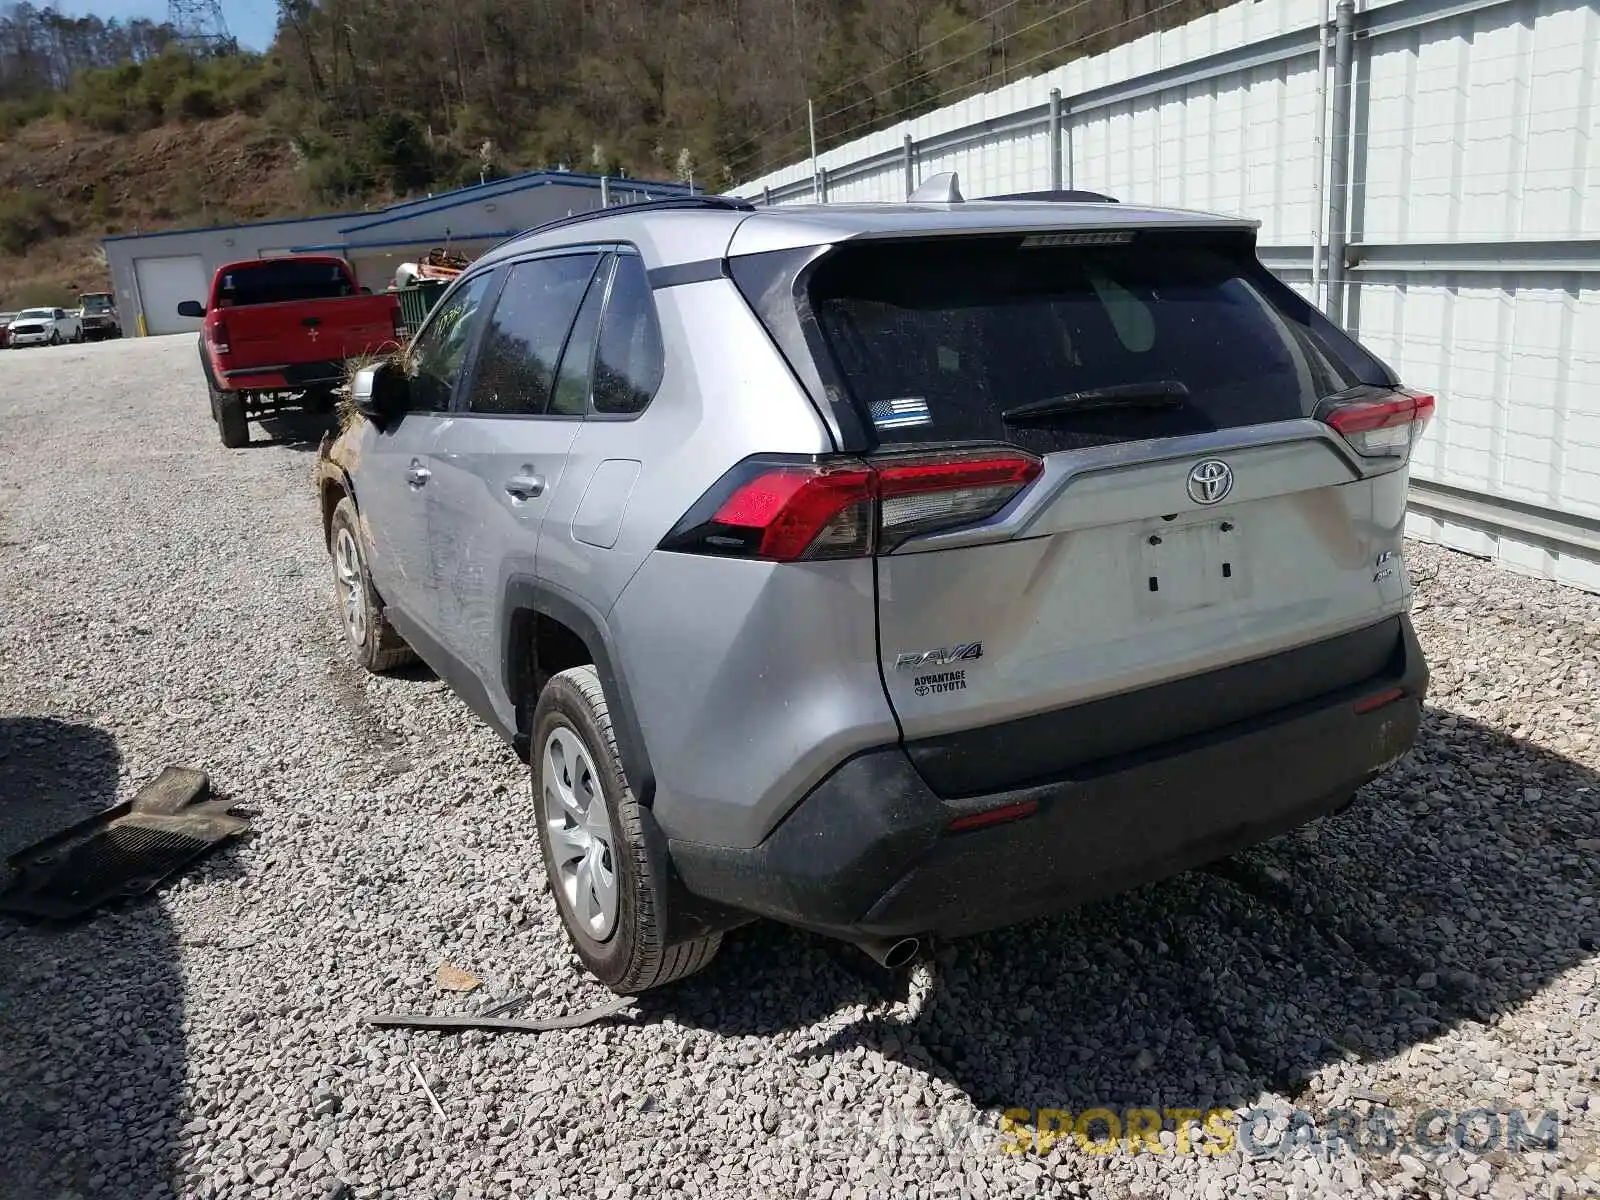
x=1338 y=157
x=1055 y=139
x=822 y=185
x=605 y=192
x=910 y=166
x=766 y=197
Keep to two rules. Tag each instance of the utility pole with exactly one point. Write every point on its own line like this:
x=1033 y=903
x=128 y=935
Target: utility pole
x=816 y=177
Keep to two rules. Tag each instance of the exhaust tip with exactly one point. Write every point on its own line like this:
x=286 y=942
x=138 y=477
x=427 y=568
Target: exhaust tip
x=892 y=953
x=901 y=953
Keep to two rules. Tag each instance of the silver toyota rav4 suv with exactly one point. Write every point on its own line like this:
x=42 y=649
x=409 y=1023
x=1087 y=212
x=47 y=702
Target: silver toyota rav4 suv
x=893 y=571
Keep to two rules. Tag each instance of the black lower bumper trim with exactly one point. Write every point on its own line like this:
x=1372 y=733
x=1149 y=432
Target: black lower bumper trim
x=869 y=851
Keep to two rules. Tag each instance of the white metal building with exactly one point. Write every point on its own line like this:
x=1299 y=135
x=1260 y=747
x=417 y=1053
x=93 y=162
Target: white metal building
x=1465 y=186
x=152 y=273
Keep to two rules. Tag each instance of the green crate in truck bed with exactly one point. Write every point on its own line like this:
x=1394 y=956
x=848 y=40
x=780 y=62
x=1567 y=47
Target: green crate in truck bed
x=416 y=301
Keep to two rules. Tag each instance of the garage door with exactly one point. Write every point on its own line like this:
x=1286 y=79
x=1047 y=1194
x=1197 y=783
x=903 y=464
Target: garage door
x=165 y=283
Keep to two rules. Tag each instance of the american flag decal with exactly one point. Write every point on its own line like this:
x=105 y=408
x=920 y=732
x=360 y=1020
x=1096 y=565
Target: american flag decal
x=900 y=412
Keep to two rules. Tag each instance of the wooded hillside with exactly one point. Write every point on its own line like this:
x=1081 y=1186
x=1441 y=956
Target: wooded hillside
x=360 y=101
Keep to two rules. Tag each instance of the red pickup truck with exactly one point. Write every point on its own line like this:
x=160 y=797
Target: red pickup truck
x=277 y=333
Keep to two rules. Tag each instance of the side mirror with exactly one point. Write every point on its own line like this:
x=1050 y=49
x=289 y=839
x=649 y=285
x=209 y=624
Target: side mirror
x=381 y=391
x=191 y=308
x=366 y=291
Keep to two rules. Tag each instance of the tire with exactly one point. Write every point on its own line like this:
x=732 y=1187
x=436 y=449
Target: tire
x=55 y=337
x=231 y=422
x=367 y=631
x=630 y=955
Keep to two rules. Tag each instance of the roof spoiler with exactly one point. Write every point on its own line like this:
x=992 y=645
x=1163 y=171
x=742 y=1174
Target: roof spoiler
x=1066 y=197
x=945 y=188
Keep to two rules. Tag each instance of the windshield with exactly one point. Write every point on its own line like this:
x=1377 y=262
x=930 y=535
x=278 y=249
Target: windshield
x=275 y=281
x=96 y=303
x=37 y=313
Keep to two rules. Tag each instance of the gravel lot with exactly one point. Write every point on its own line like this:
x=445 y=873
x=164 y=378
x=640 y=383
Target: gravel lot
x=165 y=600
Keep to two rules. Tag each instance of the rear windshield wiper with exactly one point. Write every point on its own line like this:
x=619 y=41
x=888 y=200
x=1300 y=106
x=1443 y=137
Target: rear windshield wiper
x=1166 y=393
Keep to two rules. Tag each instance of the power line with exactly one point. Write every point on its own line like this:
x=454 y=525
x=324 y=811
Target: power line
x=843 y=87
x=938 y=96
x=929 y=72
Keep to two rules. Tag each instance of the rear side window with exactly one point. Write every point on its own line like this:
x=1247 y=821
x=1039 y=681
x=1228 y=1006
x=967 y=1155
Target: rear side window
x=1169 y=333
x=628 y=361
x=273 y=281
x=522 y=344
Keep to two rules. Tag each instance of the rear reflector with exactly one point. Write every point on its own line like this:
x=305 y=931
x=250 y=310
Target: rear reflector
x=789 y=511
x=995 y=816
x=1387 y=425
x=1378 y=700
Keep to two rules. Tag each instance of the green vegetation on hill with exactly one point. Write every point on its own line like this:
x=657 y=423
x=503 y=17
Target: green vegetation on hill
x=114 y=126
x=414 y=94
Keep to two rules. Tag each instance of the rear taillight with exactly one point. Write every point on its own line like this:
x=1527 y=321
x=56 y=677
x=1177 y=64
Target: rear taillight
x=785 y=511
x=1384 y=424
x=219 y=338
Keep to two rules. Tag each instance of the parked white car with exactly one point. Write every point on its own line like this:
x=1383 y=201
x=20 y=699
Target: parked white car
x=45 y=326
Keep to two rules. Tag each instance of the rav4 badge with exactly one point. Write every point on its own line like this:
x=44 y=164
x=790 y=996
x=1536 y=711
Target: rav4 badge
x=913 y=659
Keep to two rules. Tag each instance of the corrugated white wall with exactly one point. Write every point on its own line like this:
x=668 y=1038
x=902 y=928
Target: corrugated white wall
x=1472 y=124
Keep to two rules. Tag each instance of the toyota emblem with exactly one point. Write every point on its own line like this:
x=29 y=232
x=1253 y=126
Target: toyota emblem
x=1210 y=481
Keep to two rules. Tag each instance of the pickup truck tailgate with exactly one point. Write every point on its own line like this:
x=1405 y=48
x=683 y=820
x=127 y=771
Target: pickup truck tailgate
x=303 y=331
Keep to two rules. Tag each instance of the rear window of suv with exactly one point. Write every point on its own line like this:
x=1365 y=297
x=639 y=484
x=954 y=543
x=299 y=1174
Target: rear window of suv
x=937 y=340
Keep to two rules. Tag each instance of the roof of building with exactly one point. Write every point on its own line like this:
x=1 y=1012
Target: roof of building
x=352 y=222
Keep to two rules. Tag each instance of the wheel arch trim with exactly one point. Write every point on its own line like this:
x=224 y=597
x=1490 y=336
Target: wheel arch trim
x=524 y=596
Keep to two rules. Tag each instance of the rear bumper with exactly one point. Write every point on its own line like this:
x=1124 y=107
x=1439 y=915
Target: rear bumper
x=869 y=853
x=284 y=377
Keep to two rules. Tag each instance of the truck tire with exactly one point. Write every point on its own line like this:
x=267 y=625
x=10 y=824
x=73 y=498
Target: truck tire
x=55 y=337
x=609 y=888
x=376 y=645
x=231 y=422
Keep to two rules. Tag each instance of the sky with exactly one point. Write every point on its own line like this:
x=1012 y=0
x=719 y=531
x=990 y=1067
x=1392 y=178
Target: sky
x=252 y=22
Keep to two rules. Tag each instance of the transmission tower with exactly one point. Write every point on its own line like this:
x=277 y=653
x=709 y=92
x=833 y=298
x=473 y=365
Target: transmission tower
x=200 y=26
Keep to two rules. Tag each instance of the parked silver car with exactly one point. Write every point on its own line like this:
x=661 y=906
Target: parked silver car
x=893 y=571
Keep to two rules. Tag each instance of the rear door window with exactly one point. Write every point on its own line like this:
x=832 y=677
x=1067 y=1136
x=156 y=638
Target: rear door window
x=937 y=340
x=523 y=341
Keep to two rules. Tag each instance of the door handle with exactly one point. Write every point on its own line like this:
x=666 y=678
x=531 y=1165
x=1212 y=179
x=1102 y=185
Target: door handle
x=417 y=474
x=525 y=487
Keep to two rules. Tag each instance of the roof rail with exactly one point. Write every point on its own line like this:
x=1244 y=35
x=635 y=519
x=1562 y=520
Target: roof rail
x=1059 y=197
x=668 y=204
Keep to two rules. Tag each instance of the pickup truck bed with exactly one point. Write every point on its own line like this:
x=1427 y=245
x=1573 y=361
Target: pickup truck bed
x=278 y=332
